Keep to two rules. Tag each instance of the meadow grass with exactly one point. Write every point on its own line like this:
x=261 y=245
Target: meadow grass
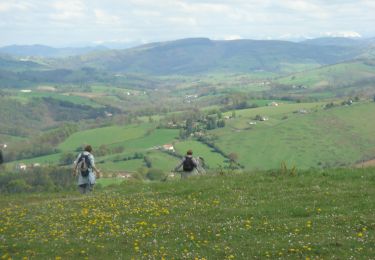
x=162 y=161
x=321 y=138
x=331 y=75
x=311 y=215
x=121 y=166
x=104 y=136
x=155 y=137
x=105 y=182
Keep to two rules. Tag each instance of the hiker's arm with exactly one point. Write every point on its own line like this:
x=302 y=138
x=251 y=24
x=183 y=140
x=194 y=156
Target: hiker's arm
x=179 y=166
x=74 y=172
x=97 y=171
x=74 y=169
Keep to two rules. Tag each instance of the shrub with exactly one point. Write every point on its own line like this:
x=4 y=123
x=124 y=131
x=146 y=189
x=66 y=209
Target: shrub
x=155 y=174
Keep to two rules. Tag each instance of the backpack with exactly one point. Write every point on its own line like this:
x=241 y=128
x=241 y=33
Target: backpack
x=188 y=164
x=84 y=165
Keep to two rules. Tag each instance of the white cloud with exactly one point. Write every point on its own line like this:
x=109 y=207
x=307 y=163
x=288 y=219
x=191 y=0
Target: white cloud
x=305 y=8
x=146 y=13
x=68 y=9
x=232 y=37
x=346 y=34
x=14 y=6
x=158 y=20
x=186 y=21
x=207 y=8
x=103 y=17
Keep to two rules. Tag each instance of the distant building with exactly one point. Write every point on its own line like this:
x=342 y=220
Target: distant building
x=35 y=165
x=168 y=147
x=25 y=90
x=21 y=167
x=124 y=175
x=273 y=104
x=107 y=114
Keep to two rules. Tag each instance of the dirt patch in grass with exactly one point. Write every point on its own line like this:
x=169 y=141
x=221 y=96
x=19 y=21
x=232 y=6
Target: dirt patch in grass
x=87 y=95
x=369 y=163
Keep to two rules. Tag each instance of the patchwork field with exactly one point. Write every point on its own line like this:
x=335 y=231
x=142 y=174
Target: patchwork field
x=304 y=135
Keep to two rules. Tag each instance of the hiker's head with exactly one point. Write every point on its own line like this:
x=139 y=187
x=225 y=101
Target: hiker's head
x=88 y=148
x=189 y=152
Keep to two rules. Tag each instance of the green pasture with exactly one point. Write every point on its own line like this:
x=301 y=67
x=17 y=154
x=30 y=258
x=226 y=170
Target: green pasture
x=150 y=139
x=212 y=159
x=331 y=75
x=104 y=136
x=275 y=114
x=121 y=166
x=322 y=138
x=163 y=161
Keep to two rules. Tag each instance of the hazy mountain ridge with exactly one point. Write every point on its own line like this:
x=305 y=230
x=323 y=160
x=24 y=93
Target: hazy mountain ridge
x=200 y=55
x=186 y=56
x=47 y=51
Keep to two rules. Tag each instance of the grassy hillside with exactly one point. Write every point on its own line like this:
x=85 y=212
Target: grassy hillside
x=313 y=215
x=334 y=76
x=321 y=138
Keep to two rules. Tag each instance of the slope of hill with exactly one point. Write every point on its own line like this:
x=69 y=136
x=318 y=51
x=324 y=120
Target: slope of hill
x=309 y=215
x=356 y=74
x=9 y=63
x=303 y=135
x=202 y=55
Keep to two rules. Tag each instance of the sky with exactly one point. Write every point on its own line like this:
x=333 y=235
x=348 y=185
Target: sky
x=85 y=22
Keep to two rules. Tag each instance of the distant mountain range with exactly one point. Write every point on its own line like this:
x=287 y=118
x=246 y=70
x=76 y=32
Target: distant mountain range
x=192 y=56
x=340 y=41
x=201 y=55
x=46 y=51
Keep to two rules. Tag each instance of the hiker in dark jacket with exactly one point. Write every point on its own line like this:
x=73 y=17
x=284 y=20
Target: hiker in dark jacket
x=189 y=165
x=86 y=181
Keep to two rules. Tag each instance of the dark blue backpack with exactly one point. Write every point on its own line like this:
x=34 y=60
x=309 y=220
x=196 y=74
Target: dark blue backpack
x=188 y=165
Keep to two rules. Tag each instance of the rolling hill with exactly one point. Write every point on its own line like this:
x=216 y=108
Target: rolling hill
x=201 y=55
x=357 y=74
x=184 y=57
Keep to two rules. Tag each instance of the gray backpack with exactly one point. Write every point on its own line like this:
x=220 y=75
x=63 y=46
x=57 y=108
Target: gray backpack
x=84 y=165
